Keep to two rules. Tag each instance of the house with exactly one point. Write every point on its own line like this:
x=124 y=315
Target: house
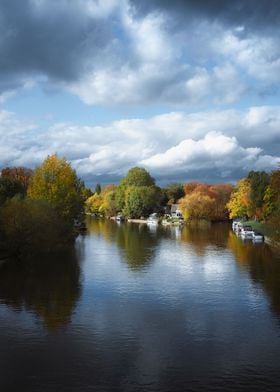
x=175 y=211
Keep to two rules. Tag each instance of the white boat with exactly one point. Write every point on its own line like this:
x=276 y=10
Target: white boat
x=153 y=220
x=246 y=232
x=238 y=228
x=257 y=236
x=235 y=224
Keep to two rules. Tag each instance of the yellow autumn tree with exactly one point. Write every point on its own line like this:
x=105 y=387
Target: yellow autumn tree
x=239 y=204
x=57 y=183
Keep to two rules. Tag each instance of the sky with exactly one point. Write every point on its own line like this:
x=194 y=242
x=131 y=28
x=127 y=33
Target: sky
x=187 y=89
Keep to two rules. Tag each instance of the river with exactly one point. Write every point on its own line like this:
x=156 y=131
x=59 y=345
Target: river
x=136 y=308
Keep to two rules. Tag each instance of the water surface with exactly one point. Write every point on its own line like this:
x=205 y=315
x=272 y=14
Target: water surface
x=137 y=308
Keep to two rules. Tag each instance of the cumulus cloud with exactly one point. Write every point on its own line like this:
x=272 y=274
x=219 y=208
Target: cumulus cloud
x=215 y=153
x=213 y=146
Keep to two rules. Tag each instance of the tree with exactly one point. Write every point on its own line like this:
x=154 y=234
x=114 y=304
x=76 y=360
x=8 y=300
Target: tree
x=110 y=205
x=239 y=204
x=259 y=182
x=140 y=200
x=196 y=206
x=137 y=176
x=220 y=193
x=57 y=183
x=137 y=195
x=173 y=192
x=20 y=174
x=94 y=204
x=206 y=201
x=9 y=187
x=272 y=206
x=30 y=227
x=98 y=189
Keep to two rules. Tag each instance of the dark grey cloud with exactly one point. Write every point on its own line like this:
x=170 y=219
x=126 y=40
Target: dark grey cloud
x=152 y=52
x=250 y=13
x=55 y=40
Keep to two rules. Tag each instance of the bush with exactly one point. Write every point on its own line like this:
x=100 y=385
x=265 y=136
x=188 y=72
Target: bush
x=31 y=227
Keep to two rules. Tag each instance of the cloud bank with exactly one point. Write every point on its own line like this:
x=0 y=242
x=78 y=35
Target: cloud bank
x=213 y=146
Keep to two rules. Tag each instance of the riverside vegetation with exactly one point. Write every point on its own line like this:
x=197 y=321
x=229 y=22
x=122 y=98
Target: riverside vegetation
x=38 y=208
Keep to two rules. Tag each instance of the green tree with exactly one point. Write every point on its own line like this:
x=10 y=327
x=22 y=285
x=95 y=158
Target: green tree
x=140 y=200
x=272 y=206
x=173 y=192
x=9 y=187
x=98 y=189
x=137 y=176
x=137 y=195
x=259 y=182
x=57 y=183
x=110 y=205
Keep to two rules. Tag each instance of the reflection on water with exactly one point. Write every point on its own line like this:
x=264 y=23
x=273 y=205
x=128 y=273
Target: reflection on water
x=200 y=238
x=262 y=264
x=49 y=287
x=134 y=240
x=143 y=308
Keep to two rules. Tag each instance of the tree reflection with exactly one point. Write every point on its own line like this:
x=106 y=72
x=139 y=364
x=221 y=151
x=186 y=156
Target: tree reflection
x=49 y=287
x=135 y=240
x=138 y=244
x=202 y=236
x=261 y=263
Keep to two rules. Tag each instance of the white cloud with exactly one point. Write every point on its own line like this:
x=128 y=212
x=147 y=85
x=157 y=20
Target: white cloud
x=259 y=56
x=220 y=144
x=215 y=152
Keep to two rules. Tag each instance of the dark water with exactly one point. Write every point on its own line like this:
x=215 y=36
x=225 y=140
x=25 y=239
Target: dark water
x=137 y=309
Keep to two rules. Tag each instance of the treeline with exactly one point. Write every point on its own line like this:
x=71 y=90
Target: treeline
x=38 y=208
x=138 y=196
x=258 y=197
x=255 y=197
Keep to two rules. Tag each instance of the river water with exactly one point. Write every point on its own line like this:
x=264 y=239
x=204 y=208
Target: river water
x=137 y=308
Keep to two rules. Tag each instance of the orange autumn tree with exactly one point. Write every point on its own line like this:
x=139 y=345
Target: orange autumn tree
x=205 y=201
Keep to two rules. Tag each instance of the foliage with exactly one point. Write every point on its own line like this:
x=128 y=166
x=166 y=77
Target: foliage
x=9 y=187
x=137 y=195
x=259 y=182
x=239 y=204
x=20 y=174
x=173 y=192
x=56 y=183
x=137 y=176
x=98 y=189
x=272 y=206
x=32 y=226
x=85 y=192
x=100 y=203
x=109 y=203
x=94 y=204
x=140 y=200
x=197 y=206
x=205 y=201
